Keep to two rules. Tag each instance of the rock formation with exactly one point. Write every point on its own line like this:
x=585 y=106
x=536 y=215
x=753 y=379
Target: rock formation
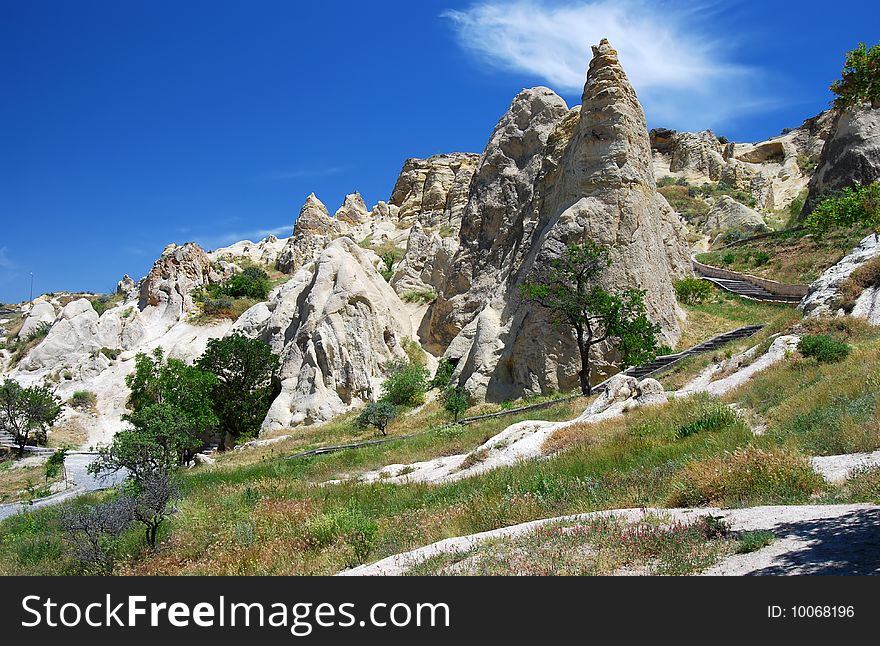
x=312 y=231
x=426 y=263
x=353 y=210
x=434 y=189
x=729 y=215
x=175 y=275
x=41 y=313
x=822 y=298
x=851 y=154
x=336 y=325
x=551 y=177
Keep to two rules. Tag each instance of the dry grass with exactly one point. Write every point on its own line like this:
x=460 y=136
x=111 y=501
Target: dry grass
x=745 y=477
x=15 y=481
x=794 y=257
x=865 y=276
x=71 y=433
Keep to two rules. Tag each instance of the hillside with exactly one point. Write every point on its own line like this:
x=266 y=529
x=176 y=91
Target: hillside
x=730 y=445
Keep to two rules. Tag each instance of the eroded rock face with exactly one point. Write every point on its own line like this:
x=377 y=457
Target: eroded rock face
x=426 y=263
x=336 y=324
x=577 y=175
x=823 y=295
x=499 y=208
x=180 y=270
x=312 y=232
x=353 y=210
x=729 y=215
x=41 y=313
x=434 y=190
x=851 y=155
x=696 y=154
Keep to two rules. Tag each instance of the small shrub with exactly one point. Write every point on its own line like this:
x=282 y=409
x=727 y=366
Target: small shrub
x=39 y=332
x=443 y=376
x=723 y=140
x=747 y=476
x=753 y=541
x=83 y=400
x=760 y=258
x=405 y=385
x=217 y=307
x=713 y=417
x=728 y=259
x=111 y=353
x=693 y=291
x=253 y=282
x=422 y=296
x=414 y=352
x=824 y=349
x=865 y=276
x=863 y=485
x=455 y=401
x=378 y=415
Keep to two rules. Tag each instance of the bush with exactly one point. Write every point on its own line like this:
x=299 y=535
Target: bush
x=823 y=348
x=693 y=291
x=455 y=401
x=378 y=415
x=39 y=332
x=713 y=417
x=806 y=163
x=405 y=385
x=860 y=80
x=111 y=353
x=723 y=140
x=217 y=306
x=728 y=259
x=760 y=258
x=83 y=400
x=443 y=375
x=753 y=541
x=745 y=477
x=422 y=296
x=863 y=485
x=855 y=206
x=253 y=282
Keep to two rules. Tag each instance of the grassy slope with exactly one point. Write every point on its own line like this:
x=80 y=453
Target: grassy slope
x=259 y=513
x=794 y=257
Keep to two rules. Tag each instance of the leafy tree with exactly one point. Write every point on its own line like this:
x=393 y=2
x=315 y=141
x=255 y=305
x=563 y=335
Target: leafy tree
x=855 y=206
x=243 y=392
x=186 y=388
x=27 y=413
x=568 y=289
x=158 y=441
x=455 y=401
x=378 y=415
x=406 y=384
x=860 y=81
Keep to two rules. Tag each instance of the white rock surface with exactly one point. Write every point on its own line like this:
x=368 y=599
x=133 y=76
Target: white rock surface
x=822 y=296
x=729 y=215
x=42 y=312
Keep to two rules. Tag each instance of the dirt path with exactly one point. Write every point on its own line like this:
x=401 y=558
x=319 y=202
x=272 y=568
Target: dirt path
x=812 y=539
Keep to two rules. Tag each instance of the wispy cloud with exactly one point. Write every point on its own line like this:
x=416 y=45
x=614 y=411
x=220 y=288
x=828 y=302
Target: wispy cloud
x=679 y=64
x=301 y=173
x=214 y=241
x=5 y=262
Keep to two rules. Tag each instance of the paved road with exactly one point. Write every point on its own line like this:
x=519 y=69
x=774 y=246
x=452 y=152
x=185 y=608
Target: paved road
x=81 y=480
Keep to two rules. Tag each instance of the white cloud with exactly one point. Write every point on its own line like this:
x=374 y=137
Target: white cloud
x=672 y=56
x=5 y=262
x=214 y=241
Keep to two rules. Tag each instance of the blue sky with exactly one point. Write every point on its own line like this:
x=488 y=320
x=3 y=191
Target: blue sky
x=128 y=125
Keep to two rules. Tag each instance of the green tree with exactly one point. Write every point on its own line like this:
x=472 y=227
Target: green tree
x=855 y=206
x=860 y=81
x=378 y=415
x=455 y=401
x=157 y=380
x=253 y=282
x=406 y=384
x=567 y=287
x=158 y=440
x=55 y=464
x=27 y=413
x=245 y=369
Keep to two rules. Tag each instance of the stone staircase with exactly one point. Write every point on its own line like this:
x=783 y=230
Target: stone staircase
x=749 y=290
x=665 y=361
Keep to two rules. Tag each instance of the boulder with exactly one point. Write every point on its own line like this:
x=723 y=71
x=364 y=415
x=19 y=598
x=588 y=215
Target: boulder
x=729 y=215
x=822 y=295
